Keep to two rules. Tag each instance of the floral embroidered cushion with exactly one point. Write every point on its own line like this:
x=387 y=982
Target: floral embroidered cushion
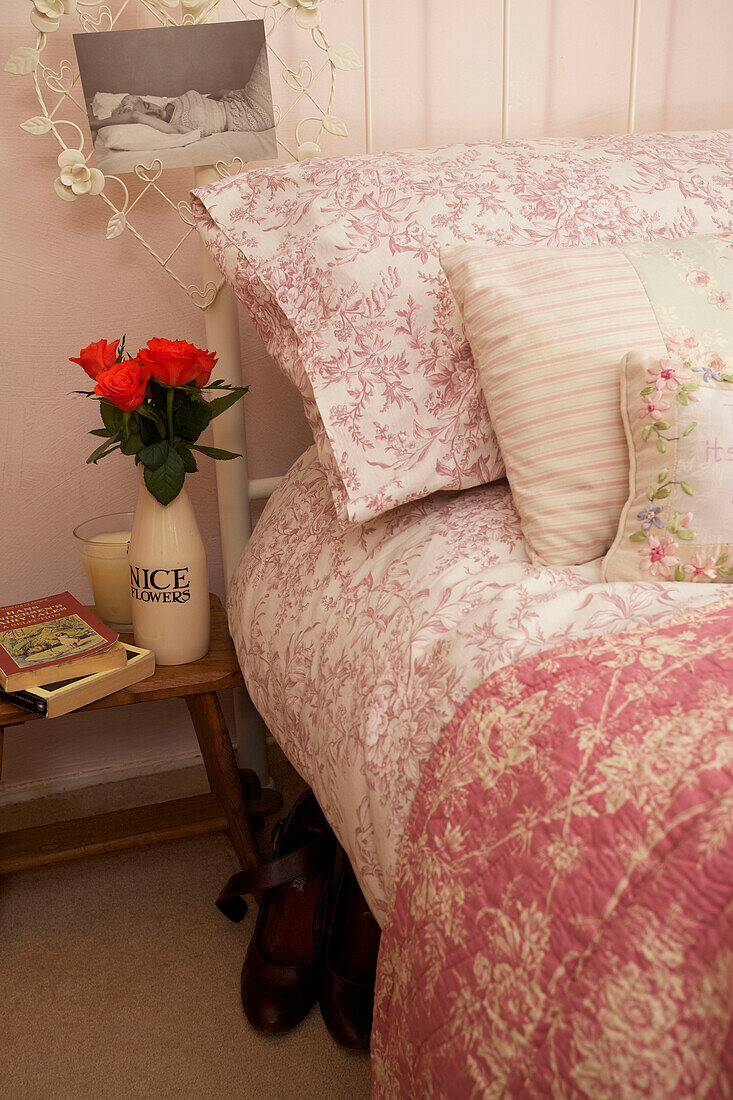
x=548 y=331
x=337 y=262
x=677 y=524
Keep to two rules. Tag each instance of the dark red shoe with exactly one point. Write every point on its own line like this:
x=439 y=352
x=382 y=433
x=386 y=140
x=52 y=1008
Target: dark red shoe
x=347 y=989
x=282 y=969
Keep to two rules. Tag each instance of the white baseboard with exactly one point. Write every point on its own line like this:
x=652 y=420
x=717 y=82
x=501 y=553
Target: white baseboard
x=59 y=784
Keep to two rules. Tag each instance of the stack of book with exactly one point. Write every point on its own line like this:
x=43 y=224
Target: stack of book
x=56 y=656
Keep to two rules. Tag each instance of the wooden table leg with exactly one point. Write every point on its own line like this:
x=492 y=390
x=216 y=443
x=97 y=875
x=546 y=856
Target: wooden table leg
x=221 y=768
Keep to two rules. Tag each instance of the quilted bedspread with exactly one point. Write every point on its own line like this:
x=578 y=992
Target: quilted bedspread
x=562 y=920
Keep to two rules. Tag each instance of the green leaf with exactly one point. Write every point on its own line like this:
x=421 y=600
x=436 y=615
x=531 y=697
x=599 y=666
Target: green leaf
x=188 y=460
x=191 y=419
x=661 y=425
x=150 y=413
x=727 y=377
x=686 y=488
x=111 y=416
x=104 y=449
x=647 y=432
x=166 y=481
x=674 y=522
x=685 y=534
x=101 y=431
x=662 y=493
x=150 y=431
x=688 y=387
x=679 y=573
x=650 y=493
x=690 y=428
x=646 y=390
x=221 y=404
x=155 y=454
x=663 y=475
x=661 y=446
x=638 y=536
x=683 y=398
x=133 y=445
x=216 y=452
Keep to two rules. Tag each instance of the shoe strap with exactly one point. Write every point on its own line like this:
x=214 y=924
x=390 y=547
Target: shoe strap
x=311 y=857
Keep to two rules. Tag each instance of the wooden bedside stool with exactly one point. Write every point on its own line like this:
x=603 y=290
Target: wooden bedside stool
x=225 y=808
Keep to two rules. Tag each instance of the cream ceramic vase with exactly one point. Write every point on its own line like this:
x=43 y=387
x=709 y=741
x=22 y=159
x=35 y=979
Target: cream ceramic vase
x=169 y=581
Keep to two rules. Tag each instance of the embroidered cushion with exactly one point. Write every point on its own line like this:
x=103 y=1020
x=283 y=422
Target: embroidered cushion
x=337 y=262
x=548 y=332
x=677 y=524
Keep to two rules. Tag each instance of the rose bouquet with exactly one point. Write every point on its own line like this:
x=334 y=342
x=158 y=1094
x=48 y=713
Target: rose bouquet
x=153 y=407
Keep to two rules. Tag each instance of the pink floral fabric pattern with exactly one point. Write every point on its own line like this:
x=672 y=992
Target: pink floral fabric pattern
x=337 y=262
x=562 y=922
x=358 y=646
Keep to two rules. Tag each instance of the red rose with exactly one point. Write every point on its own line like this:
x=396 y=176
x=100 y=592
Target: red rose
x=97 y=357
x=124 y=384
x=206 y=362
x=177 y=363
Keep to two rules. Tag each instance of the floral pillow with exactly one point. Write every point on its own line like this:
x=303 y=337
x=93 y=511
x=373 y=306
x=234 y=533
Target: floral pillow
x=677 y=524
x=337 y=261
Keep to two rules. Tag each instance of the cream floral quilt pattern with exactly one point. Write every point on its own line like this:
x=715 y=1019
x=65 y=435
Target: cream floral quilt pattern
x=562 y=922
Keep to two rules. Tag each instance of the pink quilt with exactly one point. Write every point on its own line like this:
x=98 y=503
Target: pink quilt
x=562 y=920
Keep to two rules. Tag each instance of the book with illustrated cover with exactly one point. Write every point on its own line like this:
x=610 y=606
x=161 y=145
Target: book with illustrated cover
x=46 y=633
x=58 y=697
x=103 y=660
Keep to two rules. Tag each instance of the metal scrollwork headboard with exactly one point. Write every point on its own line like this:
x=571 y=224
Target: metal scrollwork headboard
x=303 y=121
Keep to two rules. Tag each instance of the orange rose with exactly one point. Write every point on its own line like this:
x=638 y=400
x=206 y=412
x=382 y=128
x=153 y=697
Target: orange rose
x=177 y=363
x=124 y=384
x=97 y=357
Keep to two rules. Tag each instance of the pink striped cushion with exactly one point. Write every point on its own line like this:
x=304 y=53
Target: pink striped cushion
x=548 y=330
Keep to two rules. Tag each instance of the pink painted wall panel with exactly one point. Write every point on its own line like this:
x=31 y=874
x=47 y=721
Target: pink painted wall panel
x=437 y=78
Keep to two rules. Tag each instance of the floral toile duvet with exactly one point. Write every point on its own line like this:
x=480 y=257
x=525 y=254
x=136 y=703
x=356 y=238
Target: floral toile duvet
x=562 y=919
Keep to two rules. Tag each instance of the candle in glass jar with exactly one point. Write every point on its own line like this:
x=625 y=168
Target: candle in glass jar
x=104 y=543
x=105 y=560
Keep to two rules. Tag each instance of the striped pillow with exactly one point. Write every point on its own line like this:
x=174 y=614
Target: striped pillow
x=548 y=329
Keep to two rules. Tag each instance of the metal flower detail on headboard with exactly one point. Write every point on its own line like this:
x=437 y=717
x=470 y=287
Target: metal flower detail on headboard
x=307 y=13
x=307 y=83
x=76 y=177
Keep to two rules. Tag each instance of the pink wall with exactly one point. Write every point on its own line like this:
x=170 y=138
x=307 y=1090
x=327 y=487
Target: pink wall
x=436 y=79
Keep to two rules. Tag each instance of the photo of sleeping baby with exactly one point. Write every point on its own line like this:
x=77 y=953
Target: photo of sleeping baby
x=181 y=95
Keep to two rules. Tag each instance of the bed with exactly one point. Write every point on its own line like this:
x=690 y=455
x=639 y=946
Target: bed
x=529 y=766
x=357 y=674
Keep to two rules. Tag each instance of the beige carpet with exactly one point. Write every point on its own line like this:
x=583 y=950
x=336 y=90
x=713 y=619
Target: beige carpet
x=119 y=978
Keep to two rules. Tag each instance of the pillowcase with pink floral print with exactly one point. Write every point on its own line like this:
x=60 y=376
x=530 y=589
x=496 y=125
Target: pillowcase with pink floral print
x=337 y=261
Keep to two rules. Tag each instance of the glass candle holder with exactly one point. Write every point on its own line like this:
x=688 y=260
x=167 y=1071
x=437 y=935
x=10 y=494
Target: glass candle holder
x=103 y=543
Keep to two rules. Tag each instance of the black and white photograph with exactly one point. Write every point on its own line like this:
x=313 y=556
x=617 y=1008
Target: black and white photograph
x=185 y=96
